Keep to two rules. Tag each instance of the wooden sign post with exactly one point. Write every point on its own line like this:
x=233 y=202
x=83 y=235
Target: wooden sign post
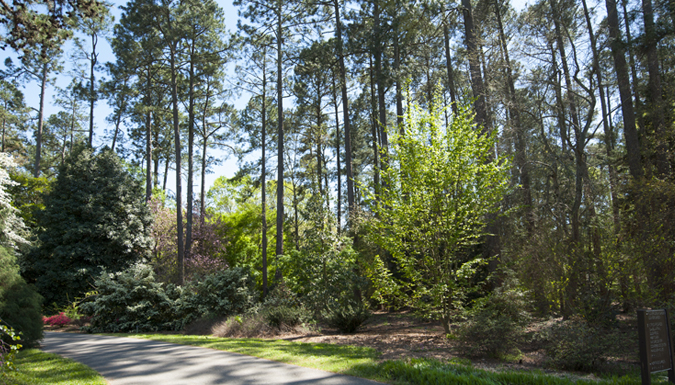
x=656 y=350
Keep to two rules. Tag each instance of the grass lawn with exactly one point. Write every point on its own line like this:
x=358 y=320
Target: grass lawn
x=364 y=362
x=37 y=367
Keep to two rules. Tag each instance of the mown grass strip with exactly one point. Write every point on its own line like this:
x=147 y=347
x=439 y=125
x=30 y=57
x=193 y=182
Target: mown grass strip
x=36 y=367
x=364 y=362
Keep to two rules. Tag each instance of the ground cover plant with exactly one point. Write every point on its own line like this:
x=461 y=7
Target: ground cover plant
x=35 y=367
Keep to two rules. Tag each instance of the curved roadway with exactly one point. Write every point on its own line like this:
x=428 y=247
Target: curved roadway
x=125 y=361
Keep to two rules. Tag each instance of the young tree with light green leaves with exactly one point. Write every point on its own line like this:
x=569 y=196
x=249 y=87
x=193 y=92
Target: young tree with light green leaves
x=438 y=188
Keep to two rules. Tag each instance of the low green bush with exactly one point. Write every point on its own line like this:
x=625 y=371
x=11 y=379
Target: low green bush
x=133 y=301
x=223 y=293
x=283 y=309
x=346 y=315
x=574 y=345
x=20 y=304
x=129 y=301
x=495 y=323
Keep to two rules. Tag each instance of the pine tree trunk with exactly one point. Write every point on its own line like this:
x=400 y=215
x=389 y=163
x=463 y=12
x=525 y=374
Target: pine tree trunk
x=337 y=157
x=655 y=91
x=177 y=144
x=148 y=140
x=92 y=96
x=345 y=110
x=514 y=112
x=609 y=135
x=477 y=86
x=41 y=112
x=263 y=177
x=191 y=141
x=629 y=130
x=448 y=65
x=280 y=146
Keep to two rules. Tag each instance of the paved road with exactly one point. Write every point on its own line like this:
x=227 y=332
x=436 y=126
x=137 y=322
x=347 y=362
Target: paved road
x=126 y=361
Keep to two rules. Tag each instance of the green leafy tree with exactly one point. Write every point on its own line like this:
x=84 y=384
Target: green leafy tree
x=95 y=217
x=438 y=188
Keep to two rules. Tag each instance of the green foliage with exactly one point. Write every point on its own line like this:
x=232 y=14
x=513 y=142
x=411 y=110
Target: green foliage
x=346 y=315
x=282 y=308
x=574 y=344
x=325 y=270
x=438 y=187
x=495 y=323
x=20 y=304
x=219 y=294
x=28 y=195
x=9 y=346
x=130 y=300
x=95 y=217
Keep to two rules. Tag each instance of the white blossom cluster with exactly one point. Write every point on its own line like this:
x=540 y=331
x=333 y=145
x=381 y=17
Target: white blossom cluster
x=12 y=226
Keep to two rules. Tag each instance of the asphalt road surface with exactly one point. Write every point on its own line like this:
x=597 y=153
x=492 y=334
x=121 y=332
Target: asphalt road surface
x=126 y=361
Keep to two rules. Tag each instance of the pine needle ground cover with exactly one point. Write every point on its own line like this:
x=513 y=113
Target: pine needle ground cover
x=37 y=367
x=364 y=362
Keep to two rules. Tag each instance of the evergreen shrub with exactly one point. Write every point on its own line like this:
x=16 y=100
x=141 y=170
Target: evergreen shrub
x=129 y=301
x=495 y=323
x=346 y=315
x=283 y=309
x=222 y=293
x=133 y=301
x=95 y=218
x=575 y=345
x=20 y=304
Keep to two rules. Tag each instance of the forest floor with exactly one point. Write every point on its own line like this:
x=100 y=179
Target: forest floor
x=401 y=335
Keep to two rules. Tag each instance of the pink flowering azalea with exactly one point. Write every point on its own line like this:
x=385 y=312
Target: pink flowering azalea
x=59 y=320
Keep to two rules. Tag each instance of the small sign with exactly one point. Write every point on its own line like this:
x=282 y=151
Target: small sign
x=655 y=344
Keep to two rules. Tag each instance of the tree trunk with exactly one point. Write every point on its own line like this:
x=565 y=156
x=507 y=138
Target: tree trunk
x=379 y=79
x=148 y=156
x=280 y=146
x=374 y=130
x=92 y=90
x=631 y=56
x=655 y=92
x=191 y=141
x=3 y=133
x=345 y=111
x=448 y=64
x=514 y=113
x=177 y=144
x=474 y=65
x=41 y=112
x=399 y=96
x=263 y=179
x=148 y=140
x=337 y=157
x=609 y=135
x=629 y=130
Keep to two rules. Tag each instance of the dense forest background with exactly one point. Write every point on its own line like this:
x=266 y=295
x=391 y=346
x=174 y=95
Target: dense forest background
x=575 y=96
